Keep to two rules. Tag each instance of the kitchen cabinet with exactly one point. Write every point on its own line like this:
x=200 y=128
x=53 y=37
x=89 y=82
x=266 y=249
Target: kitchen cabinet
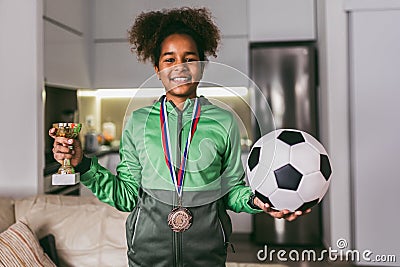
x=112 y=19
x=117 y=67
x=229 y=15
x=72 y=12
x=65 y=58
x=253 y=20
x=73 y=29
x=231 y=68
x=66 y=43
x=284 y=20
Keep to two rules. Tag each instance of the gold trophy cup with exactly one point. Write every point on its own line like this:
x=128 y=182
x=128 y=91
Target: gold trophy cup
x=66 y=174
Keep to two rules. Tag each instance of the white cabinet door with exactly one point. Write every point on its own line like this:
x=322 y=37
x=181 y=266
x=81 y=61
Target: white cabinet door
x=113 y=18
x=115 y=66
x=281 y=20
x=229 y=15
x=65 y=58
x=71 y=12
x=232 y=64
x=66 y=43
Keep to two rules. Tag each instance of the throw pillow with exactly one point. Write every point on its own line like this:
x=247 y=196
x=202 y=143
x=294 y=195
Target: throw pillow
x=20 y=247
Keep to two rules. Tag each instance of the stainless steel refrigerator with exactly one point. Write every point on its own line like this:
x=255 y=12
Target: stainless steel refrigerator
x=286 y=75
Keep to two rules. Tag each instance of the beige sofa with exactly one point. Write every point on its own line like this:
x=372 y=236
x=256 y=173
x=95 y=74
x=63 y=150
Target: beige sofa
x=87 y=232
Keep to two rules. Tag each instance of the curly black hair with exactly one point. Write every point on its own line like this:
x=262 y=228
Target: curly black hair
x=151 y=28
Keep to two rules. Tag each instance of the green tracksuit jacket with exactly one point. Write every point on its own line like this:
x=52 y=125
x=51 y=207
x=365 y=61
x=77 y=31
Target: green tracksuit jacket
x=213 y=182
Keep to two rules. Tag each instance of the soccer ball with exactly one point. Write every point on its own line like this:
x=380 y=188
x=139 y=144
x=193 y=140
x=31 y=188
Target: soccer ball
x=289 y=169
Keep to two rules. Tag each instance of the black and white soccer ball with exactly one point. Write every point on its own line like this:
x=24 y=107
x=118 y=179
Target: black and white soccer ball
x=289 y=169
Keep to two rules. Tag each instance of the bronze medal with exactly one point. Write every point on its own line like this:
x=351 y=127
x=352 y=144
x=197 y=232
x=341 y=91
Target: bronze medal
x=180 y=219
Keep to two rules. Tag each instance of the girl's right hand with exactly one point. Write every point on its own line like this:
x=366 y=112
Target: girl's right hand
x=61 y=149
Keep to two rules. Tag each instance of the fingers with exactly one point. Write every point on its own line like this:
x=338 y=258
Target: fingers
x=63 y=141
x=259 y=203
x=291 y=217
x=282 y=214
x=264 y=206
x=61 y=156
x=294 y=215
x=268 y=209
x=63 y=148
x=52 y=132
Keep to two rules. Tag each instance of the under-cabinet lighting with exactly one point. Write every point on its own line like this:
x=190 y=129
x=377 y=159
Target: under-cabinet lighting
x=156 y=92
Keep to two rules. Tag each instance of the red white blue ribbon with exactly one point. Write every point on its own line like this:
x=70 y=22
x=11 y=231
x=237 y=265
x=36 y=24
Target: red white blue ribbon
x=177 y=178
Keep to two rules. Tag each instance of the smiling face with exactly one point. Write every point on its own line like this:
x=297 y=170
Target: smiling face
x=179 y=68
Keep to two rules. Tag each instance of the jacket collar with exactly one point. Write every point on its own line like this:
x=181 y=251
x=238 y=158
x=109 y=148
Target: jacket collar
x=203 y=101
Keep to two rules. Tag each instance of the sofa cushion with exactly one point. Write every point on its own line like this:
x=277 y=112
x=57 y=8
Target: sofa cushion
x=87 y=232
x=20 y=247
x=7 y=216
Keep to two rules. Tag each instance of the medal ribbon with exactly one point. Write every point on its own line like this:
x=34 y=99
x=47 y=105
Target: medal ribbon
x=177 y=179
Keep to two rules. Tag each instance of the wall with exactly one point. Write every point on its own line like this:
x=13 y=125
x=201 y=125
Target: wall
x=334 y=117
x=21 y=106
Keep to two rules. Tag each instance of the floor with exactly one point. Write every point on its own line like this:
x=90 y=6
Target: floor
x=246 y=252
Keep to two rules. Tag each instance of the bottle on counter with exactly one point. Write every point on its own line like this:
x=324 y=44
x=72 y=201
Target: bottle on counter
x=91 y=137
x=109 y=132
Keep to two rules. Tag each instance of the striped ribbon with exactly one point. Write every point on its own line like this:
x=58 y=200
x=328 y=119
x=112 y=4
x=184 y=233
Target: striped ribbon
x=177 y=178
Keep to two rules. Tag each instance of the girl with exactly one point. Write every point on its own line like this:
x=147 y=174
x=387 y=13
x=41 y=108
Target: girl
x=180 y=166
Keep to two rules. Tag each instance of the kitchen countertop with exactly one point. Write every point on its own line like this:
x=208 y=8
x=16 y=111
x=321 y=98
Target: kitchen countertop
x=104 y=150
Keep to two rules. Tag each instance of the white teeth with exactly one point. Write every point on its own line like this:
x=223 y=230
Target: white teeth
x=180 y=79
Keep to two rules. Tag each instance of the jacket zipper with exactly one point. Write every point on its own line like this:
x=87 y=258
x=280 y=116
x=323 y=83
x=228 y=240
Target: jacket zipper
x=178 y=236
x=134 y=231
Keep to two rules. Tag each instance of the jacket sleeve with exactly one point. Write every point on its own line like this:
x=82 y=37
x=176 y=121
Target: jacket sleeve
x=121 y=190
x=233 y=174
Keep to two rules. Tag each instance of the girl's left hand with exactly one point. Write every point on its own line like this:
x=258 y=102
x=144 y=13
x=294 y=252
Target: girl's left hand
x=285 y=214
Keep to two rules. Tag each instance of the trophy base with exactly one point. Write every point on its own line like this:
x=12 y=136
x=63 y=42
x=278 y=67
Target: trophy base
x=65 y=179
